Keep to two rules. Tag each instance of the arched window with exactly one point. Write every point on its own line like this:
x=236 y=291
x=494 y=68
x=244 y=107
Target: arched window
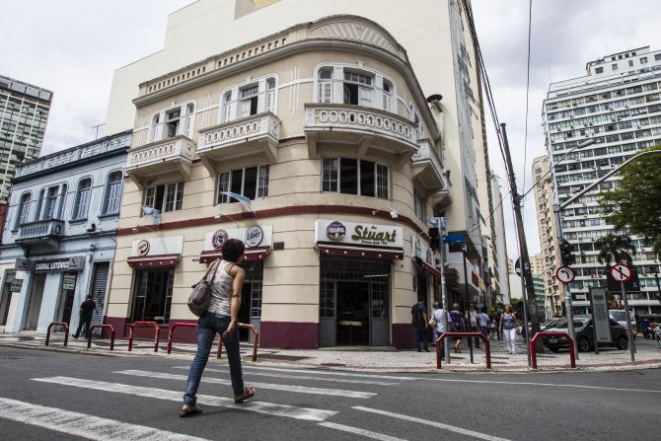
x=113 y=193
x=63 y=201
x=387 y=95
x=325 y=88
x=270 y=95
x=190 y=120
x=23 y=209
x=155 y=130
x=82 y=199
x=227 y=106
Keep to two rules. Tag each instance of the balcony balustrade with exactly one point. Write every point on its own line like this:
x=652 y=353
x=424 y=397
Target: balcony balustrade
x=365 y=127
x=43 y=232
x=427 y=167
x=165 y=156
x=255 y=134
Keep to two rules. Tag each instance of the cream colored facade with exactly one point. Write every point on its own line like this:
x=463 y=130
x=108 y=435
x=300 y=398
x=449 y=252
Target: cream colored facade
x=446 y=66
x=537 y=264
x=547 y=226
x=285 y=103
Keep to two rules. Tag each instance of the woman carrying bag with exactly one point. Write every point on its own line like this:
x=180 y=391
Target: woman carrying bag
x=225 y=281
x=508 y=329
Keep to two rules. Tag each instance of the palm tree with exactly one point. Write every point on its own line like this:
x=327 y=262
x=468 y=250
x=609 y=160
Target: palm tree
x=615 y=249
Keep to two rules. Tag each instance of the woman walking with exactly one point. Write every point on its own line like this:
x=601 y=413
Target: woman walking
x=221 y=317
x=457 y=323
x=508 y=328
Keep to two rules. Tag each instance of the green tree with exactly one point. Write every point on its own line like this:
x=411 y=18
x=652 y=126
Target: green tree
x=635 y=206
x=615 y=249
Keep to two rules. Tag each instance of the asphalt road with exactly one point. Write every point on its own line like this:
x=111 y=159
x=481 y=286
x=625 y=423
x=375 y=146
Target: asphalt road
x=49 y=395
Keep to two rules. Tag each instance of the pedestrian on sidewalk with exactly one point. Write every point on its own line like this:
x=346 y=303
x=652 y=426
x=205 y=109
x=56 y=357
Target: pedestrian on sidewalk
x=457 y=323
x=473 y=323
x=420 y=325
x=493 y=325
x=499 y=331
x=221 y=317
x=441 y=318
x=483 y=319
x=86 y=312
x=508 y=327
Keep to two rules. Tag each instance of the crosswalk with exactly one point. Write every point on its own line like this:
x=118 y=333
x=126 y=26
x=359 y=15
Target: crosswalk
x=286 y=385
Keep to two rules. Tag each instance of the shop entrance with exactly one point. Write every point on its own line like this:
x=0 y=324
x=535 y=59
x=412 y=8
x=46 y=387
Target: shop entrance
x=354 y=302
x=5 y=301
x=153 y=296
x=251 y=298
x=67 y=292
x=34 y=307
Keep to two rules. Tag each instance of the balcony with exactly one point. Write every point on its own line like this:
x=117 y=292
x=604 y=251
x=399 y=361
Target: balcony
x=427 y=168
x=165 y=156
x=255 y=134
x=361 y=126
x=43 y=232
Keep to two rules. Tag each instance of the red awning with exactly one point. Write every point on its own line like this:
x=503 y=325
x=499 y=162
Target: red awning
x=250 y=255
x=428 y=268
x=159 y=261
x=368 y=253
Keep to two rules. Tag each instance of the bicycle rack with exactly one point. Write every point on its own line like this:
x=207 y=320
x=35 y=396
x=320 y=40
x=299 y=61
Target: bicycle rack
x=66 y=332
x=138 y=324
x=171 y=332
x=533 y=353
x=255 y=340
x=487 y=347
x=112 y=335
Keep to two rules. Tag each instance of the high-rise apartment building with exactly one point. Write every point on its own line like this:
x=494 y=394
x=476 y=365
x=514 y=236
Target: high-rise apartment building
x=536 y=264
x=446 y=67
x=23 y=116
x=548 y=239
x=498 y=216
x=618 y=104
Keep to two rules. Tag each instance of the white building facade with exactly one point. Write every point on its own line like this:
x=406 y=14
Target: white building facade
x=59 y=239
x=618 y=104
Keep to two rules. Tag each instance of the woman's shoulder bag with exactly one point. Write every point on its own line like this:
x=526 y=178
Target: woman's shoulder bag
x=200 y=298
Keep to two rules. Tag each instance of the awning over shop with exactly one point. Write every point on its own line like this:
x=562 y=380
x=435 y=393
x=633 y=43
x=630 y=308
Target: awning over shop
x=368 y=253
x=428 y=268
x=250 y=255
x=156 y=261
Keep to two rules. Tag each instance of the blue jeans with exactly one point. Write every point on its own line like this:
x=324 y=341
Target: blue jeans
x=436 y=335
x=207 y=326
x=421 y=334
x=476 y=340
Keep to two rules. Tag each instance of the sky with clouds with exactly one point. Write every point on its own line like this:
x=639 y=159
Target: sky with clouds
x=72 y=47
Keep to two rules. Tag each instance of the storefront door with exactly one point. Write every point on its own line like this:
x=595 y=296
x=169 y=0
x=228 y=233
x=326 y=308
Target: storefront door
x=34 y=307
x=251 y=298
x=67 y=292
x=153 y=295
x=354 y=302
x=5 y=301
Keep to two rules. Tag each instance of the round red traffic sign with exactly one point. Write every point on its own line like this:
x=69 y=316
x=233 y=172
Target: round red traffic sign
x=621 y=272
x=565 y=274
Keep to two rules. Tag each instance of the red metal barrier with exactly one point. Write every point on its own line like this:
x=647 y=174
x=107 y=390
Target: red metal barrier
x=255 y=340
x=66 y=332
x=138 y=324
x=487 y=347
x=112 y=335
x=175 y=326
x=533 y=353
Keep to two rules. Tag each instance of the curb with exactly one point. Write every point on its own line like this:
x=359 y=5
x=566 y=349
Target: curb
x=628 y=366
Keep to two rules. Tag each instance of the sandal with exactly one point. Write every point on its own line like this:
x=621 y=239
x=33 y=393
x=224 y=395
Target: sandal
x=190 y=412
x=249 y=392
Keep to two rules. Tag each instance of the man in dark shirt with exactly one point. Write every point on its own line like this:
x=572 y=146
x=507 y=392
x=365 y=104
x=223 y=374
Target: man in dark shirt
x=86 y=310
x=419 y=321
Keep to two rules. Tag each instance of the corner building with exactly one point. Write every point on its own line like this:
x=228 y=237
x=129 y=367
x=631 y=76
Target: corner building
x=324 y=132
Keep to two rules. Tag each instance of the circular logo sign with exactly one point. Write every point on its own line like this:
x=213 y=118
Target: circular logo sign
x=143 y=247
x=254 y=236
x=336 y=230
x=219 y=239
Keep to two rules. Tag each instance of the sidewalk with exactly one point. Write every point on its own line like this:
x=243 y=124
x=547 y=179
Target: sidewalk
x=366 y=359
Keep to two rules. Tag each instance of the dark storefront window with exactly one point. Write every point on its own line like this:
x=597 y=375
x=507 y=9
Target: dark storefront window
x=153 y=296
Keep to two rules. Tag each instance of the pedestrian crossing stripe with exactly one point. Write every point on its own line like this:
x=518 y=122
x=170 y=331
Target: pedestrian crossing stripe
x=83 y=425
x=280 y=410
x=272 y=386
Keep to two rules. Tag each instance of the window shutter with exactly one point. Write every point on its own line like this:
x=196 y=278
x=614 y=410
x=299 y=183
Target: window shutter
x=325 y=92
x=270 y=102
x=365 y=96
x=99 y=284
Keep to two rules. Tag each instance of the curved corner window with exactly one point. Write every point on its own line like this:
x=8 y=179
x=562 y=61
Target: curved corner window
x=359 y=87
x=246 y=100
x=354 y=176
x=113 y=193
x=82 y=203
x=23 y=209
x=173 y=122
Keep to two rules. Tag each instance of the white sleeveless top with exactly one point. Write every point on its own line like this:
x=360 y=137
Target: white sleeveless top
x=221 y=291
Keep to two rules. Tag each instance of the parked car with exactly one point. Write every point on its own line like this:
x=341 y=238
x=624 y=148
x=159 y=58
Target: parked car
x=584 y=335
x=619 y=315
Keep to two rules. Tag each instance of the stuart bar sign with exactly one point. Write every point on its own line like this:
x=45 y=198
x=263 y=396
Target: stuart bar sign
x=352 y=233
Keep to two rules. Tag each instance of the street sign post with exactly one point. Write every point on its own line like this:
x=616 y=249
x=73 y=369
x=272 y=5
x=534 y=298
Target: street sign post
x=565 y=275
x=622 y=273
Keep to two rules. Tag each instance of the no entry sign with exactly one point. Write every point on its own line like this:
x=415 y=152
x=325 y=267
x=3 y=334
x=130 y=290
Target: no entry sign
x=621 y=272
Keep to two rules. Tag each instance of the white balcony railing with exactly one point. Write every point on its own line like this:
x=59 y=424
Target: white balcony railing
x=329 y=120
x=263 y=126
x=156 y=155
x=427 y=155
x=40 y=230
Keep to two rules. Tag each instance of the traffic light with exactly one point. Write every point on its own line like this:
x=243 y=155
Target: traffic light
x=434 y=238
x=566 y=254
